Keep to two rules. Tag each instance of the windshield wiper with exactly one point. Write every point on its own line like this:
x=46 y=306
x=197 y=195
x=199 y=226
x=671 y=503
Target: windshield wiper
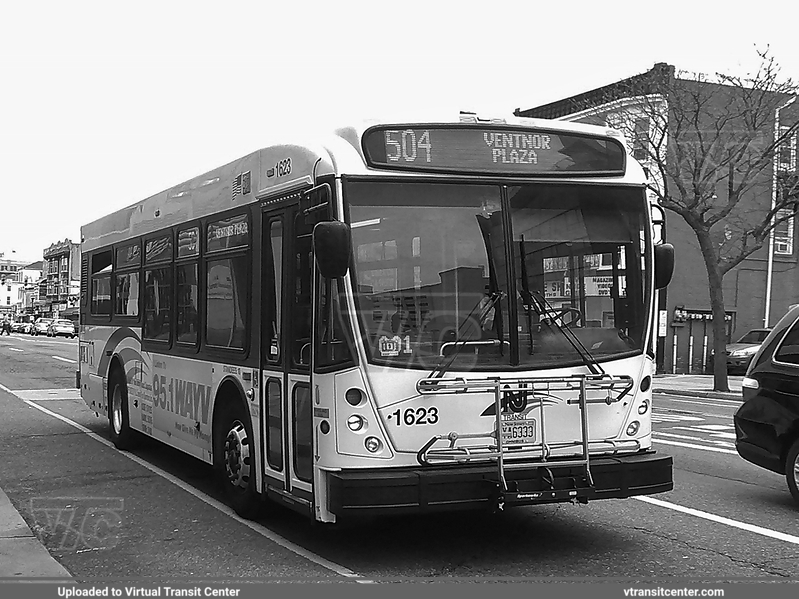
x=588 y=359
x=459 y=344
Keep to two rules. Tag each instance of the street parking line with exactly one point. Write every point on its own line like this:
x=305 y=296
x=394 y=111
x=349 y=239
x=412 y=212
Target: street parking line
x=254 y=526
x=766 y=532
x=692 y=438
x=47 y=394
x=691 y=446
x=710 y=401
x=65 y=359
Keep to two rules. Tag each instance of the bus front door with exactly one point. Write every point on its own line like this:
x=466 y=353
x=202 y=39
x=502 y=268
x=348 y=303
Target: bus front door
x=286 y=403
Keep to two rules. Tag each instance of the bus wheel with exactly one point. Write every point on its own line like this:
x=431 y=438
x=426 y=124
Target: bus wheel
x=792 y=470
x=234 y=461
x=122 y=435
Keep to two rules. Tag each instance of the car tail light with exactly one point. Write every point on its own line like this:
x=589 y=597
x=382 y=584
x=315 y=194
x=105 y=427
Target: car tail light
x=750 y=387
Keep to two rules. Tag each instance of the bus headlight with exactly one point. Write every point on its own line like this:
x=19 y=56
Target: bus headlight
x=644 y=407
x=372 y=444
x=354 y=396
x=633 y=427
x=356 y=423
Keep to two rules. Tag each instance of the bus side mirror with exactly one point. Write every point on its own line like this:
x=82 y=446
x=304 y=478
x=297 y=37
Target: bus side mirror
x=658 y=223
x=331 y=244
x=664 y=264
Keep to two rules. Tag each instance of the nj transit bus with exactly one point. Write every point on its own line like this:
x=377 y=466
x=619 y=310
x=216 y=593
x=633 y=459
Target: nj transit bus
x=395 y=317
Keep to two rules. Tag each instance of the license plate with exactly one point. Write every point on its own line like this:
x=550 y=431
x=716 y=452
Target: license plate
x=518 y=432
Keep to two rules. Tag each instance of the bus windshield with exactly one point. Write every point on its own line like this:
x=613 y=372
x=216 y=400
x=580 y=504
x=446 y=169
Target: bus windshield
x=483 y=276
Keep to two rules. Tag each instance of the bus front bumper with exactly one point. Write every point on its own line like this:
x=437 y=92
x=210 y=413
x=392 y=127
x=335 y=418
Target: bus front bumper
x=419 y=490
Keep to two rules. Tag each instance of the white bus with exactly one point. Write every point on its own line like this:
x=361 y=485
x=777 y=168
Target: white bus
x=394 y=317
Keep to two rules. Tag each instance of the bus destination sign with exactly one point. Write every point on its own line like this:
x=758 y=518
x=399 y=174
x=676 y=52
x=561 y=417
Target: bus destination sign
x=492 y=150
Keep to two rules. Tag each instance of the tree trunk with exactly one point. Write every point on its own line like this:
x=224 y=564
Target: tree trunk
x=716 y=289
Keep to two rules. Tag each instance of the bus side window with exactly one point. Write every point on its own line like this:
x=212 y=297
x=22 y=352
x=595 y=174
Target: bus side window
x=273 y=292
x=301 y=322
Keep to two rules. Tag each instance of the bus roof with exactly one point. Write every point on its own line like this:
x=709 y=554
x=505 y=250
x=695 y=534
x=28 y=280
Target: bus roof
x=283 y=166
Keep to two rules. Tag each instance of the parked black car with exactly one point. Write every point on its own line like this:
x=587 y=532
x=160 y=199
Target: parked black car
x=767 y=424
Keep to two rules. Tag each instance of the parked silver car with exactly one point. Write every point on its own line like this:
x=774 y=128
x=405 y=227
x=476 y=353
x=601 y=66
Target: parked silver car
x=62 y=327
x=40 y=326
x=21 y=327
x=740 y=353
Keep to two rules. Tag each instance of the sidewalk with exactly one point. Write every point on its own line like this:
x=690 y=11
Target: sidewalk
x=697 y=385
x=22 y=555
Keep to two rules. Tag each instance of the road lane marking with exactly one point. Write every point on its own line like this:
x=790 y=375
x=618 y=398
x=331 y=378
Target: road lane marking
x=254 y=526
x=710 y=401
x=41 y=340
x=711 y=432
x=691 y=446
x=65 y=359
x=700 y=439
x=766 y=532
x=659 y=417
x=15 y=349
x=47 y=394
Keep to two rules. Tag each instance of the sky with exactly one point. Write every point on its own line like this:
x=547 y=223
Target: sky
x=103 y=104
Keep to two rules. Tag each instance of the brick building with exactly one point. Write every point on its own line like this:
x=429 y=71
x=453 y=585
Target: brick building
x=759 y=290
x=60 y=286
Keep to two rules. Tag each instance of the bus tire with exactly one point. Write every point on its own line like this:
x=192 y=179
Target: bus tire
x=233 y=460
x=122 y=436
x=792 y=470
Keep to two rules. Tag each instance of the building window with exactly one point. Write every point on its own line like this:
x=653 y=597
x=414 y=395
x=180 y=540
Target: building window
x=786 y=158
x=784 y=232
x=640 y=141
x=635 y=127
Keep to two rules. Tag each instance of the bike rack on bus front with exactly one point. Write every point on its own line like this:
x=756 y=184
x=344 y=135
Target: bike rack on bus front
x=611 y=389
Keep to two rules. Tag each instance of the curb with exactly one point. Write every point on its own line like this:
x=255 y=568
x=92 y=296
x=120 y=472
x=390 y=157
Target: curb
x=21 y=553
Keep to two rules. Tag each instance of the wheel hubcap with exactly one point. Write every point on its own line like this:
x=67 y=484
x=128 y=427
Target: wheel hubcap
x=237 y=455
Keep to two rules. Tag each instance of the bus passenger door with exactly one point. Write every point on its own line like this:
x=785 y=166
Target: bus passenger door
x=286 y=403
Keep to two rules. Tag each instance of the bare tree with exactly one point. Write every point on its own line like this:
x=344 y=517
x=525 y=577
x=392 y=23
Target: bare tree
x=712 y=147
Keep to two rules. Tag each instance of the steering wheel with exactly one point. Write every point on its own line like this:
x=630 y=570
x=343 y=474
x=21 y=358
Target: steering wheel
x=561 y=314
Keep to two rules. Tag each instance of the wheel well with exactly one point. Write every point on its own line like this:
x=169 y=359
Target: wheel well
x=228 y=393
x=789 y=439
